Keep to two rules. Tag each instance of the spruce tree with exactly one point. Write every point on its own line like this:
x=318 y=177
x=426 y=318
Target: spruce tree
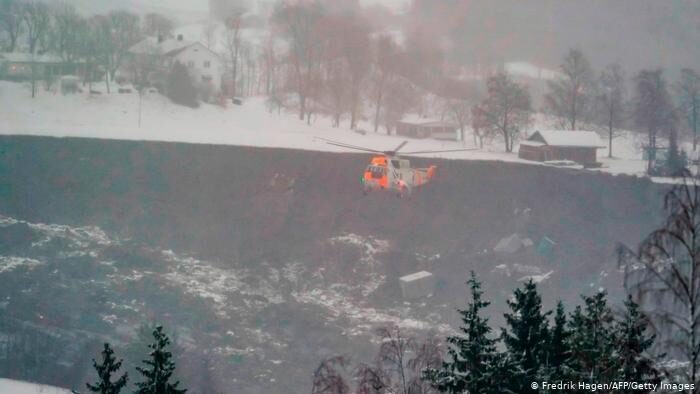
x=472 y=355
x=633 y=344
x=526 y=336
x=159 y=368
x=105 y=370
x=558 y=351
x=180 y=87
x=592 y=340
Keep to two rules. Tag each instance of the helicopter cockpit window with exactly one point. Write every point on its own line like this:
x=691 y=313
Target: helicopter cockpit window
x=377 y=172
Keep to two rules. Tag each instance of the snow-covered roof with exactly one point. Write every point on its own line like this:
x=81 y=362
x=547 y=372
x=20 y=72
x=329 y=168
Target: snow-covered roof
x=415 y=276
x=530 y=70
x=23 y=57
x=418 y=120
x=567 y=138
x=532 y=143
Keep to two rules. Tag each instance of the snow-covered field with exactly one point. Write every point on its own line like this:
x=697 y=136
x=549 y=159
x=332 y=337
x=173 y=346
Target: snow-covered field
x=8 y=386
x=116 y=116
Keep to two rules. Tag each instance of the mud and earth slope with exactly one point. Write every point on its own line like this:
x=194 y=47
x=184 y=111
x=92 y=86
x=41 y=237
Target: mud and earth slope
x=266 y=260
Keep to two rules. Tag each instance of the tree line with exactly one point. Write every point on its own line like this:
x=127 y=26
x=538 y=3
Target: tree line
x=590 y=344
x=100 y=43
x=342 y=64
x=339 y=60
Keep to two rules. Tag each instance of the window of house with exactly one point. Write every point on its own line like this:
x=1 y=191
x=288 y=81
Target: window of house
x=190 y=63
x=206 y=78
x=207 y=64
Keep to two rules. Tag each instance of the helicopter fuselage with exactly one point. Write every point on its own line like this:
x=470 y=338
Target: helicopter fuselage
x=394 y=173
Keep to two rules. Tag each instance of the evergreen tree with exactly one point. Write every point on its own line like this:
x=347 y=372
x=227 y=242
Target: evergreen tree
x=472 y=355
x=592 y=340
x=558 y=351
x=159 y=368
x=109 y=366
x=633 y=344
x=527 y=335
x=180 y=88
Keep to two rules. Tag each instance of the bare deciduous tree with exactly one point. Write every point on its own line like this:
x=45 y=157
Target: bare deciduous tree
x=610 y=102
x=123 y=31
x=68 y=30
x=356 y=50
x=385 y=64
x=569 y=96
x=507 y=108
x=480 y=125
x=11 y=21
x=329 y=378
x=426 y=355
x=459 y=99
x=653 y=110
x=270 y=64
x=233 y=46
x=37 y=20
x=157 y=25
x=400 y=97
x=394 y=353
x=688 y=90
x=371 y=380
x=664 y=275
x=299 y=23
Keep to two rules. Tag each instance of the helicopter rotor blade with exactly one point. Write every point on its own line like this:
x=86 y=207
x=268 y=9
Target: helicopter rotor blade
x=344 y=145
x=438 y=151
x=401 y=145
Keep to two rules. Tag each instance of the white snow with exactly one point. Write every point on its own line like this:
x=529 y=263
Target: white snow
x=79 y=237
x=116 y=116
x=577 y=138
x=207 y=280
x=370 y=245
x=8 y=386
x=364 y=318
x=529 y=70
x=536 y=278
x=10 y=263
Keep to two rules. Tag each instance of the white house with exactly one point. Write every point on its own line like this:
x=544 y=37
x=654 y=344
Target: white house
x=205 y=65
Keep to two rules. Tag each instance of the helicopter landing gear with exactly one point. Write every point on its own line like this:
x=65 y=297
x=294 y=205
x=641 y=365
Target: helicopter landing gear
x=404 y=192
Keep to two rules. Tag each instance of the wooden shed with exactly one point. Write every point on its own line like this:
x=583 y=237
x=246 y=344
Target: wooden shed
x=553 y=145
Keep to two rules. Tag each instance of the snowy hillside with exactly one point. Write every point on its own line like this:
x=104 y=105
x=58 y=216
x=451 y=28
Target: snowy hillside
x=116 y=116
x=8 y=386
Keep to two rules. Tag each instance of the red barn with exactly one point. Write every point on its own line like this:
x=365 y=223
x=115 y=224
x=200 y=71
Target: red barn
x=550 y=145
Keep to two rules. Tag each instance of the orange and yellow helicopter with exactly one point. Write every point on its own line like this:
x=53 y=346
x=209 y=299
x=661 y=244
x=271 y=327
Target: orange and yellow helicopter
x=389 y=172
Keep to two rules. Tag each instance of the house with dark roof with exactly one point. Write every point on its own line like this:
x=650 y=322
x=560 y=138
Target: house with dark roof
x=557 y=145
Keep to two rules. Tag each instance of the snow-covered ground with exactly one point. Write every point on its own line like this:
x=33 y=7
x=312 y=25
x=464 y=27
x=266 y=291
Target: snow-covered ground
x=8 y=386
x=116 y=116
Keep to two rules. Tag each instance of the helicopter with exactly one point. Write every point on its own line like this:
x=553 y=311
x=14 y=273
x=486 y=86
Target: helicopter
x=387 y=171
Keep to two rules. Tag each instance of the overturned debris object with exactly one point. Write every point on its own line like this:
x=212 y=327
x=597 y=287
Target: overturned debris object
x=417 y=285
